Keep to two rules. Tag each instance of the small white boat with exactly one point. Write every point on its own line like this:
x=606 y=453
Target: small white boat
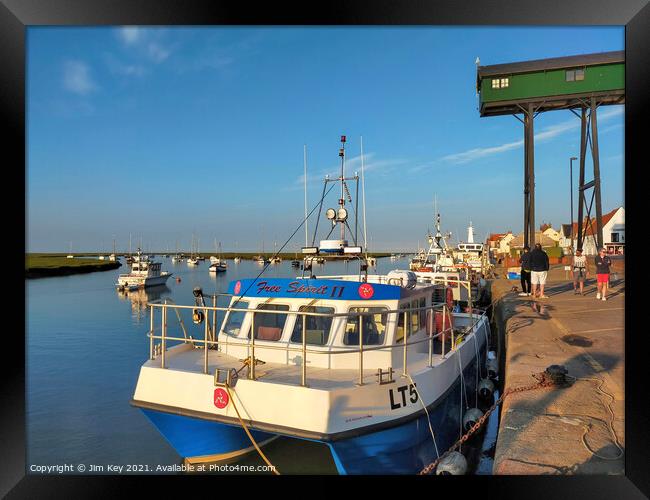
x=192 y=261
x=101 y=257
x=218 y=267
x=237 y=260
x=218 y=264
x=144 y=273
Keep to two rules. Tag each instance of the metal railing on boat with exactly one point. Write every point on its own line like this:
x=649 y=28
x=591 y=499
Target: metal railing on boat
x=210 y=332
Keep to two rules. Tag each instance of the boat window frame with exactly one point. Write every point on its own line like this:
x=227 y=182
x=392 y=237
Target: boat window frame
x=247 y=317
x=331 y=334
x=346 y=319
x=288 y=313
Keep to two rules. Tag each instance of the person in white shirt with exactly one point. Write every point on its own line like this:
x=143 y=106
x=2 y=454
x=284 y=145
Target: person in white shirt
x=579 y=271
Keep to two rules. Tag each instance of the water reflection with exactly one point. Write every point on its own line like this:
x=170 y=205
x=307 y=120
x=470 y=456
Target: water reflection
x=140 y=297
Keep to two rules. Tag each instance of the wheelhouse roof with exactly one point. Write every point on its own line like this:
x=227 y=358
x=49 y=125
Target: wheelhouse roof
x=337 y=288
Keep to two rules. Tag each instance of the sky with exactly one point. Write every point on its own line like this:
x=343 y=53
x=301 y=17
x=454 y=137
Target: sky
x=166 y=133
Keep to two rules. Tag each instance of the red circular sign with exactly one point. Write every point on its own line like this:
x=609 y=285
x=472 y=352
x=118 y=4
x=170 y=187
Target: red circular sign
x=220 y=398
x=237 y=287
x=366 y=291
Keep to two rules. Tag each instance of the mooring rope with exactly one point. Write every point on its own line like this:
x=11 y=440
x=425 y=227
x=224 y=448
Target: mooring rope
x=433 y=436
x=250 y=436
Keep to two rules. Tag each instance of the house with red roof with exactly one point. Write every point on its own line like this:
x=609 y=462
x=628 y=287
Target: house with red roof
x=613 y=234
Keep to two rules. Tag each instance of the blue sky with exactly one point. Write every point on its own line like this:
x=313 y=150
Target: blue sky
x=165 y=132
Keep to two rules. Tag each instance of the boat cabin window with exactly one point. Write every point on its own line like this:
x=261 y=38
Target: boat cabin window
x=269 y=326
x=373 y=323
x=423 y=312
x=317 y=328
x=415 y=316
x=404 y=311
x=235 y=319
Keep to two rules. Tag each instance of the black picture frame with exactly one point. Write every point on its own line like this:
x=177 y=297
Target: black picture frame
x=16 y=15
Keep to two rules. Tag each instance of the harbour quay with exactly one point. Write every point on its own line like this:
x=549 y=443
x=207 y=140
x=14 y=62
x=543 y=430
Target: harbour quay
x=576 y=427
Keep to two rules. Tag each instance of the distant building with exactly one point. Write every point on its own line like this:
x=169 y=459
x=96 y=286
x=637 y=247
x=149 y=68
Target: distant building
x=613 y=233
x=492 y=243
x=552 y=233
x=517 y=242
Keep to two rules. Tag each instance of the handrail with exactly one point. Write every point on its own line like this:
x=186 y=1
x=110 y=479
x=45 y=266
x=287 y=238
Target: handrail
x=210 y=338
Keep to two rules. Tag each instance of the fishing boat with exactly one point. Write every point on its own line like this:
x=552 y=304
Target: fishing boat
x=144 y=273
x=370 y=365
x=437 y=265
x=469 y=253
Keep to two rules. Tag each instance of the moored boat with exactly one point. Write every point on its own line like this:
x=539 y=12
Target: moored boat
x=144 y=273
x=374 y=366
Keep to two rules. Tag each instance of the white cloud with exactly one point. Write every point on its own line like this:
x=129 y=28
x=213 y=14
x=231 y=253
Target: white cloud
x=145 y=42
x=77 y=79
x=129 y=35
x=157 y=52
x=546 y=134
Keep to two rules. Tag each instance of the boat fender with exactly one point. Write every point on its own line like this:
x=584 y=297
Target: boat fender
x=486 y=388
x=197 y=316
x=471 y=417
x=492 y=355
x=492 y=368
x=453 y=464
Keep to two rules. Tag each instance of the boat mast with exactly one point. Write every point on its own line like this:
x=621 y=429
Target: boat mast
x=342 y=198
x=363 y=195
x=305 y=176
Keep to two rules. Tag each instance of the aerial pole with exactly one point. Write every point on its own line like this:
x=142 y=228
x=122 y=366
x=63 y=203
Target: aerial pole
x=363 y=195
x=342 y=198
x=305 y=176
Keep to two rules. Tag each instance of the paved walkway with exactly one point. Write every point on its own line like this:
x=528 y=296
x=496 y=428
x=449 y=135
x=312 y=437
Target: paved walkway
x=570 y=430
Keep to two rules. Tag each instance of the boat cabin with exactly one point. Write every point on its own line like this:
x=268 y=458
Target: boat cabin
x=336 y=313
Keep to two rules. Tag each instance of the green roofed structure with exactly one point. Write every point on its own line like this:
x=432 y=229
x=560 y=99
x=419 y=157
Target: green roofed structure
x=580 y=82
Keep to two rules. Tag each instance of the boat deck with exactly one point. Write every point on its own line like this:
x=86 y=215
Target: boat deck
x=185 y=358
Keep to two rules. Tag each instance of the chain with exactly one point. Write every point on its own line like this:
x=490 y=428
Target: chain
x=543 y=380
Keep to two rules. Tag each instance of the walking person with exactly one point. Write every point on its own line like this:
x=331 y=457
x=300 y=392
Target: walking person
x=579 y=271
x=539 y=268
x=524 y=260
x=603 y=264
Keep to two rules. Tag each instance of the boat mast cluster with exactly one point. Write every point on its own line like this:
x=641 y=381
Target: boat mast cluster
x=338 y=248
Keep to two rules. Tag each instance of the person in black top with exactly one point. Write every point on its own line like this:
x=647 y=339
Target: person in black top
x=603 y=263
x=524 y=260
x=539 y=267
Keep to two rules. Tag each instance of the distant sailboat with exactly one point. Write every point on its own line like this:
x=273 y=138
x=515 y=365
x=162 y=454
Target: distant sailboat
x=218 y=264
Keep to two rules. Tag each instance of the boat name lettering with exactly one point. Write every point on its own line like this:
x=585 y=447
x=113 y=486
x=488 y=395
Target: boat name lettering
x=296 y=287
x=413 y=396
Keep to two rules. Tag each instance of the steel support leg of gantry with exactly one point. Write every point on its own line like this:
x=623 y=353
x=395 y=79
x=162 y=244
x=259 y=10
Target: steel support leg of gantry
x=589 y=138
x=529 y=176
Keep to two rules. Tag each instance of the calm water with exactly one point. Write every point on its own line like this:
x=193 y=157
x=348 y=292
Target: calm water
x=85 y=345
